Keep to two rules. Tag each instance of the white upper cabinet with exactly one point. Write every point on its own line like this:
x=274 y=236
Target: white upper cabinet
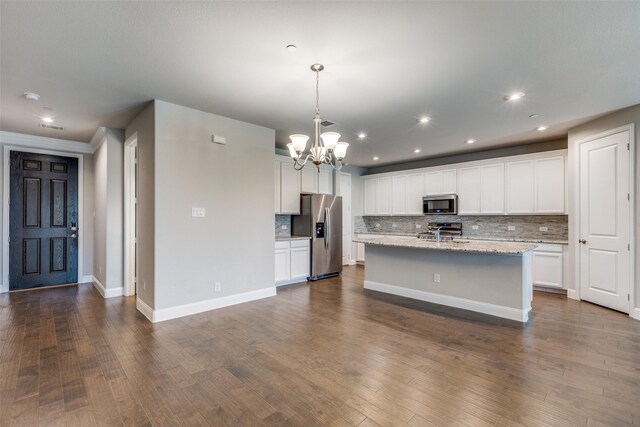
x=277 y=186
x=520 y=187
x=370 y=196
x=440 y=182
x=550 y=185
x=414 y=193
x=325 y=180
x=469 y=191
x=399 y=191
x=383 y=197
x=312 y=181
x=492 y=189
x=289 y=189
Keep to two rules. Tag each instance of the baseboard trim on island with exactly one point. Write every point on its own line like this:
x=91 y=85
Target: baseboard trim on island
x=457 y=302
x=202 y=306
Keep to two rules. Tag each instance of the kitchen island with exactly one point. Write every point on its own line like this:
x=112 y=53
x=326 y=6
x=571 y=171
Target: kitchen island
x=488 y=277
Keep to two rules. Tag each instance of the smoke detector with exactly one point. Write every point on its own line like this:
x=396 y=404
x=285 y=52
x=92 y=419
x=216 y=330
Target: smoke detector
x=31 y=96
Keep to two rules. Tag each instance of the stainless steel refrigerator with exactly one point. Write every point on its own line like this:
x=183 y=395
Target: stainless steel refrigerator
x=321 y=219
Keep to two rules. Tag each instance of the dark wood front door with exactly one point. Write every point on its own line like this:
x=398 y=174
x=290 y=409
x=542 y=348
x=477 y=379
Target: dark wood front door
x=43 y=220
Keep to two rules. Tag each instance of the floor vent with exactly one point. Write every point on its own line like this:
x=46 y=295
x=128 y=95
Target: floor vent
x=327 y=124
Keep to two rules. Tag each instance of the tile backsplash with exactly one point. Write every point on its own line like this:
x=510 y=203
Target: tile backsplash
x=283 y=225
x=512 y=226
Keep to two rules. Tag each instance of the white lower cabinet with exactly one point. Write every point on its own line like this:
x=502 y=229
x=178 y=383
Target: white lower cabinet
x=548 y=268
x=293 y=260
x=360 y=246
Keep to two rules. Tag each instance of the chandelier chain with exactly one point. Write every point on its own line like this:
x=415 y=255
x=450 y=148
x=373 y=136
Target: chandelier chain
x=317 y=92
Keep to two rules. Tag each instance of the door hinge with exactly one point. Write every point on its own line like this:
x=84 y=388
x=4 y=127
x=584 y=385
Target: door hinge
x=628 y=297
x=629 y=196
x=628 y=246
x=628 y=147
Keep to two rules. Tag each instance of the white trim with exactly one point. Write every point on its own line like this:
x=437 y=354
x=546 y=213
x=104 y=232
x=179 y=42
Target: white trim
x=130 y=267
x=107 y=292
x=632 y=208
x=352 y=262
x=572 y=294
x=292 y=281
x=86 y=279
x=202 y=306
x=457 y=302
x=144 y=309
x=24 y=140
x=635 y=313
x=5 y=205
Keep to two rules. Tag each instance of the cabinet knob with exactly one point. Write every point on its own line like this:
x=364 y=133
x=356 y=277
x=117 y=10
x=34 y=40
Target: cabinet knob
x=583 y=241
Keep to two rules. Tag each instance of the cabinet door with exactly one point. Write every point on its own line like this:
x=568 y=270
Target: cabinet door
x=360 y=252
x=549 y=187
x=370 y=196
x=520 y=187
x=309 y=179
x=448 y=180
x=384 y=196
x=300 y=262
x=432 y=183
x=547 y=269
x=325 y=181
x=277 y=187
x=414 y=193
x=282 y=265
x=290 y=190
x=469 y=191
x=492 y=189
x=399 y=197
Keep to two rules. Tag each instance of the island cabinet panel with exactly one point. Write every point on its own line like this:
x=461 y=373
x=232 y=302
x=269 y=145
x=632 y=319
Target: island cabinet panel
x=383 y=197
x=492 y=189
x=520 y=187
x=370 y=196
x=469 y=191
x=550 y=185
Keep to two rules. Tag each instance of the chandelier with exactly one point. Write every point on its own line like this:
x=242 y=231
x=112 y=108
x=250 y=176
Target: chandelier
x=326 y=147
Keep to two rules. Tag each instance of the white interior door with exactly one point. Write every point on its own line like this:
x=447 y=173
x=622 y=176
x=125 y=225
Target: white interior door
x=605 y=221
x=345 y=192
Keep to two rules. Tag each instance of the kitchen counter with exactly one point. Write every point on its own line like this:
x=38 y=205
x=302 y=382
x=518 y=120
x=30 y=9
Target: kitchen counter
x=504 y=248
x=496 y=239
x=290 y=238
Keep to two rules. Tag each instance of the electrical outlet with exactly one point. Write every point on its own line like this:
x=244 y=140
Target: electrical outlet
x=544 y=228
x=474 y=227
x=377 y=225
x=197 y=212
x=284 y=227
x=418 y=225
x=436 y=278
x=393 y=225
x=511 y=227
x=217 y=287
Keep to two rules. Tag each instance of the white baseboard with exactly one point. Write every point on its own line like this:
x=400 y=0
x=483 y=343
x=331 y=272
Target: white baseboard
x=635 y=313
x=573 y=294
x=107 y=292
x=87 y=279
x=291 y=282
x=457 y=302
x=352 y=262
x=202 y=306
x=144 y=309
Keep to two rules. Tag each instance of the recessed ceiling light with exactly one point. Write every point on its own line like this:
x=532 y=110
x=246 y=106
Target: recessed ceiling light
x=424 y=119
x=542 y=128
x=514 y=96
x=417 y=150
x=292 y=47
x=533 y=116
x=31 y=96
x=470 y=141
x=47 y=119
x=362 y=135
x=376 y=158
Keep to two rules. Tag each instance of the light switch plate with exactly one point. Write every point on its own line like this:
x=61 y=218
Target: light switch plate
x=474 y=227
x=544 y=228
x=197 y=212
x=511 y=228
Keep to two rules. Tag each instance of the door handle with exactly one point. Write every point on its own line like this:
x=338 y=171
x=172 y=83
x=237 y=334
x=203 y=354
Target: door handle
x=583 y=241
x=327 y=228
x=73 y=236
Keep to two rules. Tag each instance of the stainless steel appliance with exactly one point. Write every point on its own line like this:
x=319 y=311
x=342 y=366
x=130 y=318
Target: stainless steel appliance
x=321 y=219
x=441 y=204
x=442 y=231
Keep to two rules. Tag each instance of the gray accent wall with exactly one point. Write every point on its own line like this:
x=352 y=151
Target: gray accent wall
x=143 y=126
x=234 y=243
x=619 y=118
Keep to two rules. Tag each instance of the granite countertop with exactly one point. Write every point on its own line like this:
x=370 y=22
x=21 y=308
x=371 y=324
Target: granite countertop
x=288 y=238
x=508 y=248
x=496 y=239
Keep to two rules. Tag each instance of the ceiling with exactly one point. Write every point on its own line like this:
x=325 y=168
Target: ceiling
x=387 y=63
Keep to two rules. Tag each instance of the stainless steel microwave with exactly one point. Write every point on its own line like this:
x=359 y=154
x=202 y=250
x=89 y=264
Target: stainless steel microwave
x=441 y=204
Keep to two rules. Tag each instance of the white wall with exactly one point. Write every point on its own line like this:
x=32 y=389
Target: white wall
x=234 y=243
x=611 y=121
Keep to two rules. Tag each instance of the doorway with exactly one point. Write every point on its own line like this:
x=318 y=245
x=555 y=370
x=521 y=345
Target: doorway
x=605 y=219
x=43 y=220
x=345 y=192
x=131 y=215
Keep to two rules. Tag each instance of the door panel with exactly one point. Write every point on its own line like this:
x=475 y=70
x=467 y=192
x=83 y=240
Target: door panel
x=605 y=221
x=43 y=218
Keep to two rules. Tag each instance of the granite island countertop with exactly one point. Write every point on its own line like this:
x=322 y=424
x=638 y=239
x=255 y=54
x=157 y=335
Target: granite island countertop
x=506 y=248
x=495 y=239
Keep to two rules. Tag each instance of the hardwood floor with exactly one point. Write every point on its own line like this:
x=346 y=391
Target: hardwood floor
x=328 y=353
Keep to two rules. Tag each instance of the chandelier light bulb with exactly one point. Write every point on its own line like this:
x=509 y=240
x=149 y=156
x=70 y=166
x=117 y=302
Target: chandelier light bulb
x=299 y=142
x=341 y=150
x=330 y=140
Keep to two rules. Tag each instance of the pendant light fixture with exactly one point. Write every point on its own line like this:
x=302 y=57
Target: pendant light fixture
x=326 y=147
